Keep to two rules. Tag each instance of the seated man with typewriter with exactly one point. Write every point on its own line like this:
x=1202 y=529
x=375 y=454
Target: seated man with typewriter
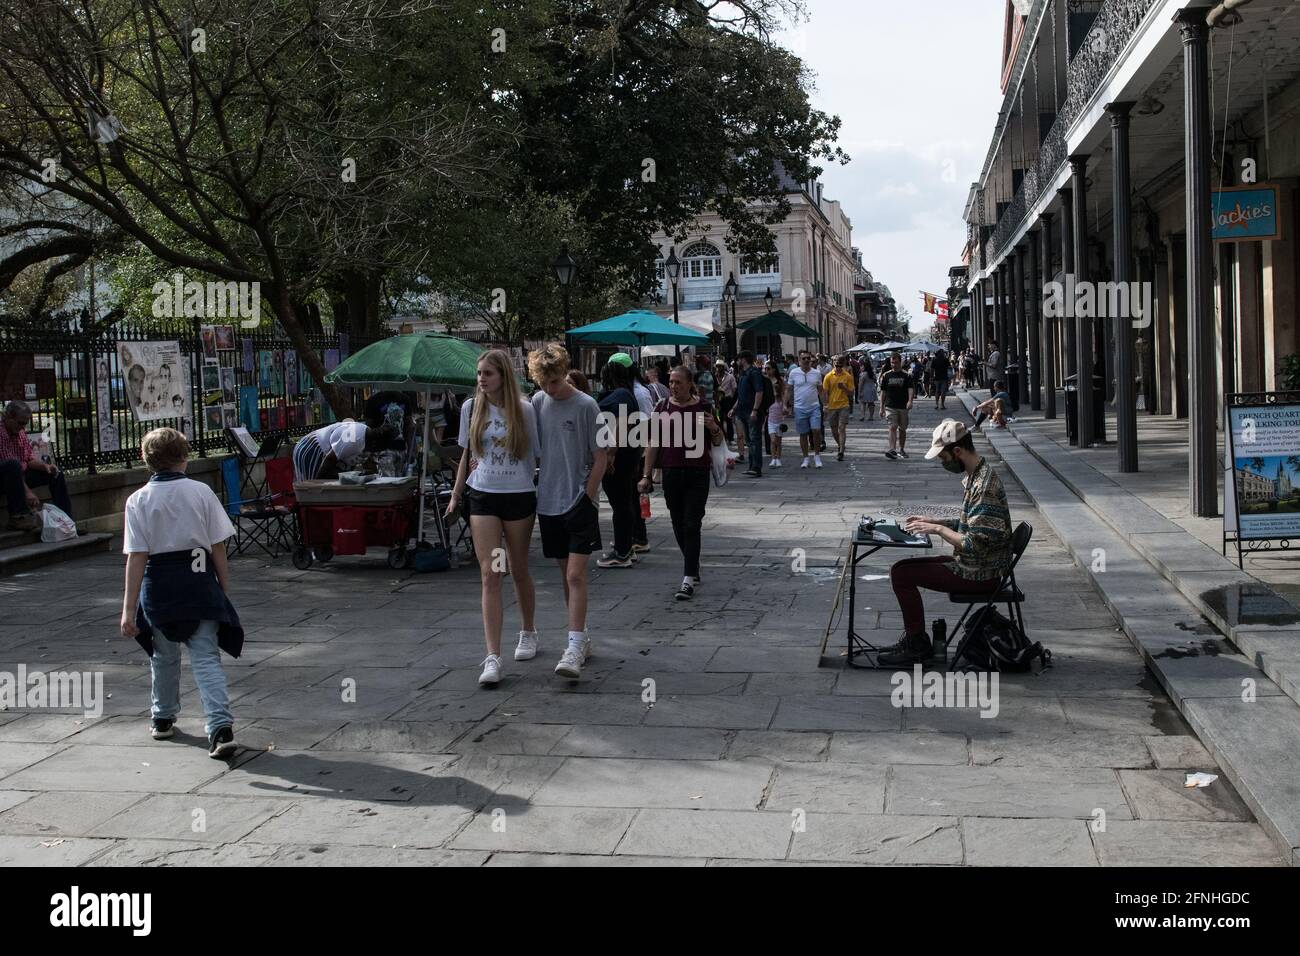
x=980 y=539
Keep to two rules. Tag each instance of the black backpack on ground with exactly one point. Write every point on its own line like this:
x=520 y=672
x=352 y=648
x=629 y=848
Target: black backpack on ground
x=991 y=642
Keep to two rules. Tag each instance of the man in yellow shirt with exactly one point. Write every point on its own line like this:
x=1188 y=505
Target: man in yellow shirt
x=838 y=384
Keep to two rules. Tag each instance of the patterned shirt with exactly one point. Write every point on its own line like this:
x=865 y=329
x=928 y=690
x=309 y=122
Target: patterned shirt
x=15 y=447
x=985 y=527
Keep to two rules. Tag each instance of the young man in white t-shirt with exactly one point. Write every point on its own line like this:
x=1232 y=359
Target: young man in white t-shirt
x=176 y=584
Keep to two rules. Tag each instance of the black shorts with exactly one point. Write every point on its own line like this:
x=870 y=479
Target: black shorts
x=508 y=506
x=575 y=532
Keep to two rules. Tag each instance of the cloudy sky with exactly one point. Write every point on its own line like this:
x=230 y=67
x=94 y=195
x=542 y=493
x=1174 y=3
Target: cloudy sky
x=916 y=85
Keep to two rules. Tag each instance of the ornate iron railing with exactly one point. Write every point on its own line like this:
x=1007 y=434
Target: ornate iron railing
x=1114 y=26
x=93 y=426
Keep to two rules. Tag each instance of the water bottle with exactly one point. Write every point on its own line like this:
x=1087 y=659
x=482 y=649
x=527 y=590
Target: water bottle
x=645 y=506
x=940 y=639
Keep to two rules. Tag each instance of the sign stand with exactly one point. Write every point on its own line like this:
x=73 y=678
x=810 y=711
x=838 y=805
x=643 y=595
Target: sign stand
x=1261 y=467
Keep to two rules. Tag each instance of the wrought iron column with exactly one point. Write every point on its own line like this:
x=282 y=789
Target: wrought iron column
x=997 y=307
x=1125 y=370
x=1083 y=328
x=1067 y=270
x=1043 y=276
x=1022 y=354
x=1202 y=477
x=1033 y=299
x=1008 y=339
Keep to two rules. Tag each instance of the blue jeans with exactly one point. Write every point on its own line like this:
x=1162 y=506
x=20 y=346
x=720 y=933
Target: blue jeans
x=754 y=436
x=13 y=479
x=205 y=659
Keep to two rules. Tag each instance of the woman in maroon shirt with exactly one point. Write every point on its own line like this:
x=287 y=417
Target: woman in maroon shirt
x=683 y=453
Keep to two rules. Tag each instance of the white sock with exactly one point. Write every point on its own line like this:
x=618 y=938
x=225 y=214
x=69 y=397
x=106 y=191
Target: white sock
x=577 y=637
x=688 y=580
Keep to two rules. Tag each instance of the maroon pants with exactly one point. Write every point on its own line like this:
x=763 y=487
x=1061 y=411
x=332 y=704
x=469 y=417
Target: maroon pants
x=936 y=574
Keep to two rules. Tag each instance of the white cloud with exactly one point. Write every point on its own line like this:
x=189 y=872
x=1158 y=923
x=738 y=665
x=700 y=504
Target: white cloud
x=917 y=90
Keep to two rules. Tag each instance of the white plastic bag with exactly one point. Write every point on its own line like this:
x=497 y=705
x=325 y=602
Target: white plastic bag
x=719 y=457
x=55 y=525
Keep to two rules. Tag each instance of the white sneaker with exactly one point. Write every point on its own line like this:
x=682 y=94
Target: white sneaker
x=571 y=661
x=527 y=647
x=776 y=463
x=817 y=461
x=804 y=463
x=491 y=675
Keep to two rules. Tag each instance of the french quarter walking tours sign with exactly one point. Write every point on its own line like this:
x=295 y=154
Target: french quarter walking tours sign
x=1261 y=499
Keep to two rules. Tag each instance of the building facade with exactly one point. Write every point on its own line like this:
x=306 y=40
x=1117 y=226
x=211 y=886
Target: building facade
x=811 y=274
x=1123 y=156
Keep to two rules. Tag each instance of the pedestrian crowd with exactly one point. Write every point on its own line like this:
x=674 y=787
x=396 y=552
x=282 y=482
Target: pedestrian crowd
x=543 y=461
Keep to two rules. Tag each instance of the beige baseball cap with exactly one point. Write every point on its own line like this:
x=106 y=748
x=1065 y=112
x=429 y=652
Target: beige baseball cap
x=947 y=432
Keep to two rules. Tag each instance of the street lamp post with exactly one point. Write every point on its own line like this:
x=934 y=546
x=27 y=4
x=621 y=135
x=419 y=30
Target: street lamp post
x=673 y=268
x=729 y=296
x=564 y=269
x=768 y=300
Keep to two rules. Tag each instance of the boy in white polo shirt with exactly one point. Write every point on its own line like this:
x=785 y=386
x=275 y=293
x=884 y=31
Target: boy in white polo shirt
x=176 y=582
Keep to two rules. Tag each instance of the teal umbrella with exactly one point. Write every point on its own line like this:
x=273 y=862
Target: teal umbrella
x=638 y=327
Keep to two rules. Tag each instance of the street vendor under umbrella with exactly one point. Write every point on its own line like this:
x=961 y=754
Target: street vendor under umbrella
x=334 y=448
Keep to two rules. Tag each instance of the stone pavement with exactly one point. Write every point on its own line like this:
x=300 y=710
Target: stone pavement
x=367 y=741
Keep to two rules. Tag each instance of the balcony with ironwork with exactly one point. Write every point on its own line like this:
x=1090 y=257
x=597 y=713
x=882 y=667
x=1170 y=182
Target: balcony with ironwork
x=1094 y=55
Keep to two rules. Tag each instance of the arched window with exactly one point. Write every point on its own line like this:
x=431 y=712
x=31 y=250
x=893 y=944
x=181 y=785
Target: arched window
x=701 y=260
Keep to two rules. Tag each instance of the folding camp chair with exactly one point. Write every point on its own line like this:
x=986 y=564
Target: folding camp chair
x=259 y=521
x=1007 y=591
x=279 y=482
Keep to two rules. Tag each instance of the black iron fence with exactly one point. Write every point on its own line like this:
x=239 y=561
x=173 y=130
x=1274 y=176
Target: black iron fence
x=86 y=401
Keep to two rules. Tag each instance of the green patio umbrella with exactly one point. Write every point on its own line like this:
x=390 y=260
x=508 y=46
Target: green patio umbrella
x=779 y=323
x=639 y=327
x=423 y=361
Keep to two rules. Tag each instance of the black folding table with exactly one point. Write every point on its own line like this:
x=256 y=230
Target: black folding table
x=863 y=545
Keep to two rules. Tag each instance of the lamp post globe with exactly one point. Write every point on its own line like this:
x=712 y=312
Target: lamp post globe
x=564 y=269
x=729 y=294
x=673 y=269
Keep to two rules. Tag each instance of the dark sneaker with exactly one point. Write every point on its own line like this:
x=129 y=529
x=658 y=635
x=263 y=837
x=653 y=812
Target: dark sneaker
x=222 y=743
x=685 y=592
x=912 y=649
x=891 y=455
x=839 y=456
x=160 y=728
x=901 y=453
x=611 y=559
x=640 y=547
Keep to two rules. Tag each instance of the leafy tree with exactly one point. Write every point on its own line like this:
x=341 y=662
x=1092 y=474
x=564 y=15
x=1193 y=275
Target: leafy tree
x=346 y=153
